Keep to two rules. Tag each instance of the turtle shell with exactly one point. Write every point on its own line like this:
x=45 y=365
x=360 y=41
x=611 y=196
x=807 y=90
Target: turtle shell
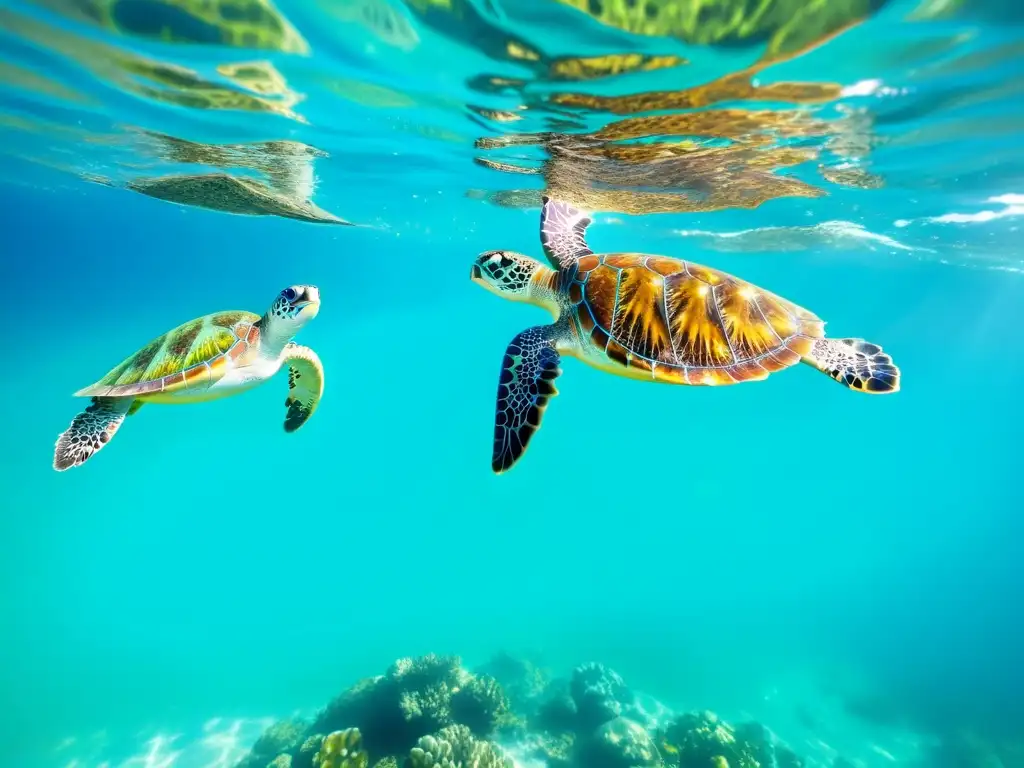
x=192 y=356
x=684 y=323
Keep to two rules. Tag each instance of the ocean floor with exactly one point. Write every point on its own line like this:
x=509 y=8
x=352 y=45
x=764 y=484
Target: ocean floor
x=432 y=712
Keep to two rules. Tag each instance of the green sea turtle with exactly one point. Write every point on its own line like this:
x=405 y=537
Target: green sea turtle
x=648 y=317
x=208 y=358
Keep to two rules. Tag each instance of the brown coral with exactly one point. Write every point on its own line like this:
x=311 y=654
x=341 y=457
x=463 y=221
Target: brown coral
x=479 y=704
x=395 y=709
x=342 y=749
x=455 y=747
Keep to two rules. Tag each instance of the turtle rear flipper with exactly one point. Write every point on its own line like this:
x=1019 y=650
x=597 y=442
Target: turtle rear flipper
x=856 y=364
x=90 y=430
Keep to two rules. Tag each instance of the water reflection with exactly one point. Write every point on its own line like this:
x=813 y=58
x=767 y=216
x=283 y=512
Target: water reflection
x=284 y=185
x=162 y=81
x=785 y=27
x=252 y=24
x=636 y=106
x=715 y=159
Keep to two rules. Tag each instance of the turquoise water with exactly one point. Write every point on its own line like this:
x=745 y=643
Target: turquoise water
x=843 y=568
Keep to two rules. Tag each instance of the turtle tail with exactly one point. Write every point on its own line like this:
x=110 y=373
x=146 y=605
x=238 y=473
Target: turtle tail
x=90 y=430
x=856 y=364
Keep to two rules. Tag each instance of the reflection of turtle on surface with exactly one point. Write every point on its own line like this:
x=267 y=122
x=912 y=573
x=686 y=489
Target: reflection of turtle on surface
x=211 y=357
x=787 y=26
x=158 y=80
x=259 y=77
x=254 y=24
x=381 y=18
x=231 y=194
x=186 y=88
x=463 y=21
x=657 y=177
x=652 y=318
x=287 y=167
x=287 y=164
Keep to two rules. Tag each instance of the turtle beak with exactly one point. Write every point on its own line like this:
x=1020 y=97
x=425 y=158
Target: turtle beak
x=475 y=273
x=308 y=301
x=311 y=295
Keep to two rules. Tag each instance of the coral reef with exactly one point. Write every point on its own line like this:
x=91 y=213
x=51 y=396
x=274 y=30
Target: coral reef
x=479 y=704
x=555 y=750
x=383 y=718
x=280 y=738
x=455 y=747
x=523 y=682
x=303 y=757
x=700 y=739
x=430 y=712
x=619 y=743
x=600 y=694
x=412 y=699
x=342 y=749
x=557 y=712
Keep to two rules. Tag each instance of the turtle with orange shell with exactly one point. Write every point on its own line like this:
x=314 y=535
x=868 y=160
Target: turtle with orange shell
x=649 y=317
x=215 y=356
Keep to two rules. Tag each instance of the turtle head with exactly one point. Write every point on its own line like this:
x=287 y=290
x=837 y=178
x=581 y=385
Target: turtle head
x=295 y=306
x=508 y=274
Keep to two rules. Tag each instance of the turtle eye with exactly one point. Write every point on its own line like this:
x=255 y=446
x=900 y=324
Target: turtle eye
x=289 y=293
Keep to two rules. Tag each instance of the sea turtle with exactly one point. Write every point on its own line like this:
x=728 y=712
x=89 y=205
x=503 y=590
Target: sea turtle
x=208 y=358
x=648 y=317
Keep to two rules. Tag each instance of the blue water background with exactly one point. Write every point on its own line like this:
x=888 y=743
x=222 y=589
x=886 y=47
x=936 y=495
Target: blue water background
x=747 y=549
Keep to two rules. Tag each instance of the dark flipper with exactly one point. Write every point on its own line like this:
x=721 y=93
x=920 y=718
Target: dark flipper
x=563 y=233
x=528 y=372
x=856 y=364
x=90 y=430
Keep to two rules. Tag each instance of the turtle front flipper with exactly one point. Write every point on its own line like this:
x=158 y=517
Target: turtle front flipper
x=563 y=232
x=856 y=364
x=305 y=384
x=90 y=430
x=528 y=371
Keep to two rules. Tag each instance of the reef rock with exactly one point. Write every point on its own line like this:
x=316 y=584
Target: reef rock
x=599 y=693
x=522 y=681
x=619 y=743
x=414 y=698
x=557 y=712
x=479 y=704
x=701 y=739
x=280 y=738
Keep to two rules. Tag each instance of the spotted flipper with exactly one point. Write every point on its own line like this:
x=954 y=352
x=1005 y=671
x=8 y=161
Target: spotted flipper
x=90 y=430
x=305 y=385
x=563 y=233
x=857 y=364
x=528 y=371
